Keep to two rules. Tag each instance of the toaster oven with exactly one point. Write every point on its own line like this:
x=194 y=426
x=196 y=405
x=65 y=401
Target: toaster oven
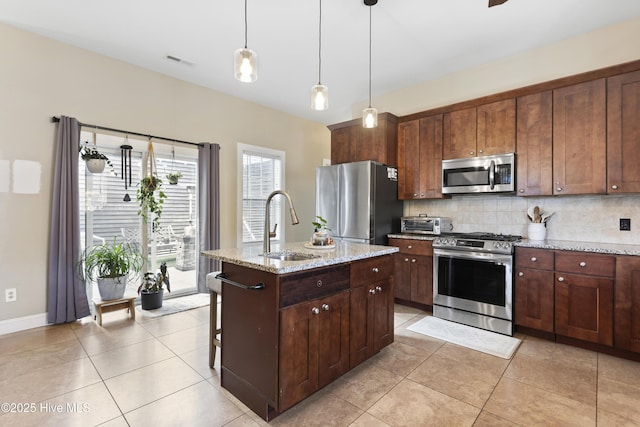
x=425 y=225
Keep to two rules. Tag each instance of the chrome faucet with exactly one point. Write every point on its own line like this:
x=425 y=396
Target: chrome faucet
x=268 y=234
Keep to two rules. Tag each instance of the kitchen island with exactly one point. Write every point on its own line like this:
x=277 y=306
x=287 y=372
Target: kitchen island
x=290 y=328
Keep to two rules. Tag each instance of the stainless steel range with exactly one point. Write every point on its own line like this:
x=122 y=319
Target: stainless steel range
x=473 y=280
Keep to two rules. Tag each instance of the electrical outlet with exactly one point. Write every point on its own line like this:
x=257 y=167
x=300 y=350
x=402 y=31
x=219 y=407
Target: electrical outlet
x=625 y=224
x=10 y=295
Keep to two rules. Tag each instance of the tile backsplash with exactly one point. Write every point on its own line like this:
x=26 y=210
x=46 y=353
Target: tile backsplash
x=578 y=218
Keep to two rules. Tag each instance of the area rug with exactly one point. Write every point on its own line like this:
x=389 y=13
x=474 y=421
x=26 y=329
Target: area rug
x=175 y=305
x=467 y=336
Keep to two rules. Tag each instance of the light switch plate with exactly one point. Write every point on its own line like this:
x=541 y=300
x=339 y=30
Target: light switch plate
x=10 y=295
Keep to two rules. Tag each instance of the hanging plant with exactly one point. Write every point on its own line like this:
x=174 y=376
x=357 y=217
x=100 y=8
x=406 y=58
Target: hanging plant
x=94 y=159
x=150 y=205
x=173 y=176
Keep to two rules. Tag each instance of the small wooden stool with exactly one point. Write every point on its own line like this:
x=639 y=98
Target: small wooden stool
x=113 y=305
x=215 y=288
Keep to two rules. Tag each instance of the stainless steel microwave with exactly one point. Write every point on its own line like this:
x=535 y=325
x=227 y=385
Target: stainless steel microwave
x=489 y=174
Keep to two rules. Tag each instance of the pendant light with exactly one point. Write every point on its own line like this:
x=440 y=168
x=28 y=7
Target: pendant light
x=319 y=92
x=370 y=115
x=245 y=61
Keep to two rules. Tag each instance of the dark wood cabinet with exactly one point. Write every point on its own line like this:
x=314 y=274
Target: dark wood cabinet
x=579 y=139
x=584 y=296
x=371 y=308
x=314 y=346
x=350 y=142
x=534 y=147
x=496 y=128
x=420 y=159
x=413 y=271
x=534 y=289
x=627 y=304
x=480 y=131
x=459 y=134
x=623 y=133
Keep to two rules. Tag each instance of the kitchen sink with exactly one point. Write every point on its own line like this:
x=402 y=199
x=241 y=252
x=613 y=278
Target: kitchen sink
x=289 y=256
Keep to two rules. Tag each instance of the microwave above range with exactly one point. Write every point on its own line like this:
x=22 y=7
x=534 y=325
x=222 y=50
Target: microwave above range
x=425 y=225
x=489 y=174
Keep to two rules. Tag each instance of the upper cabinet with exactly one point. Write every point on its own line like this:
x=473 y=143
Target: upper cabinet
x=420 y=158
x=579 y=139
x=480 y=131
x=534 y=146
x=350 y=142
x=623 y=133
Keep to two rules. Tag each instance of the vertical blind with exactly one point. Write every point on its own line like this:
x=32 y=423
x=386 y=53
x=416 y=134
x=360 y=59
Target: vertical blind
x=261 y=174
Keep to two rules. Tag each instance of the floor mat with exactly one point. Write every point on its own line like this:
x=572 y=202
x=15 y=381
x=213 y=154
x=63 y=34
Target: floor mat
x=175 y=305
x=467 y=336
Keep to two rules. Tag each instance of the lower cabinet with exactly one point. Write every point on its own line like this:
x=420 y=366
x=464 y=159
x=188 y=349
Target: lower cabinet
x=413 y=270
x=534 y=289
x=584 y=296
x=314 y=346
x=371 y=306
x=627 y=304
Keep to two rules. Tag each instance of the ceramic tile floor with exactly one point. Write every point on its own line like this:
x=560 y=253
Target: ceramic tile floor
x=154 y=372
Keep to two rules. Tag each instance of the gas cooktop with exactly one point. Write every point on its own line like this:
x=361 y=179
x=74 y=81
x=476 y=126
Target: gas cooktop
x=481 y=235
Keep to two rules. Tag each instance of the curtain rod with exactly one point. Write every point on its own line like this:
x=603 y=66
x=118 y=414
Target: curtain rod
x=55 y=119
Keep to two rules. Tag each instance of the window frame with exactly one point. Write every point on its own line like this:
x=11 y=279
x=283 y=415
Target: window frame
x=267 y=152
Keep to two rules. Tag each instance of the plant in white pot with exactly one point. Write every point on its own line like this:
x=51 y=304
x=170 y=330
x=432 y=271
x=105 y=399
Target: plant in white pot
x=111 y=265
x=321 y=235
x=151 y=290
x=94 y=159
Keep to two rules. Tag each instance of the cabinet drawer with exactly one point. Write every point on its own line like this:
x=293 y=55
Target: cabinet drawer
x=585 y=263
x=541 y=259
x=371 y=270
x=412 y=246
x=308 y=285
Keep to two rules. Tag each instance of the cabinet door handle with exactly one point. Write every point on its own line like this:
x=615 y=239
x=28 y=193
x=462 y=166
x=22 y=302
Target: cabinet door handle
x=415 y=194
x=409 y=247
x=480 y=151
x=319 y=283
x=406 y=260
x=521 y=274
x=582 y=264
x=413 y=260
x=560 y=279
x=534 y=259
x=325 y=307
x=471 y=153
x=372 y=291
x=375 y=269
x=614 y=187
x=379 y=288
x=521 y=190
x=315 y=310
x=559 y=189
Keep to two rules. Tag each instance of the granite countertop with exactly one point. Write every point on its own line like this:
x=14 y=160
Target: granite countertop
x=570 y=245
x=561 y=245
x=343 y=252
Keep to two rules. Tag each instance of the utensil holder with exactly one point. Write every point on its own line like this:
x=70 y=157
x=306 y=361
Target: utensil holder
x=537 y=231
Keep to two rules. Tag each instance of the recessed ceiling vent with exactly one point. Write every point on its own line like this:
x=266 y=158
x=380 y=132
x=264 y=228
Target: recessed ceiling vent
x=178 y=60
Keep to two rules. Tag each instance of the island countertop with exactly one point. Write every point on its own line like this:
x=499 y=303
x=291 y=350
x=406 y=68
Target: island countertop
x=343 y=252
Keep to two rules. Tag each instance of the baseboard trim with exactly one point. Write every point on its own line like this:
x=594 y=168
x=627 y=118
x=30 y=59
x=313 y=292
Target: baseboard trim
x=23 y=323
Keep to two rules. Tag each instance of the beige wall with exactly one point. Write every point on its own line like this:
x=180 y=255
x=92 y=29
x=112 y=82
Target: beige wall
x=40 y=78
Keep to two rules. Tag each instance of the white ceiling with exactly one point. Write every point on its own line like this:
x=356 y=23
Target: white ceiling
x=413 y=40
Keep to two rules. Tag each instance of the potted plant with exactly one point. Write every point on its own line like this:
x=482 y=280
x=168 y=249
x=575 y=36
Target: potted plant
x=173 y=177
x=321 y=232
x=110 y=264
x=94 y=159
x=149 y=204
x=151 y=290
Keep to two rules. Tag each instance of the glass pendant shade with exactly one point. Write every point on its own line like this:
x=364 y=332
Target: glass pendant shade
x=245 y=65
x=319 y=97
x=369 y=118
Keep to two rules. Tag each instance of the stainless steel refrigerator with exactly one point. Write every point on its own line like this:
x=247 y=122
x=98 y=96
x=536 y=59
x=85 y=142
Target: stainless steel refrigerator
x=359 y=200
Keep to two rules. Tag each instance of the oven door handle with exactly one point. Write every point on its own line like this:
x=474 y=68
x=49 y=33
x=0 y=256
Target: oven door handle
x=477 y=256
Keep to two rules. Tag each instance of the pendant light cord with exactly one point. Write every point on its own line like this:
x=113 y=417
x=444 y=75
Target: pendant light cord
x=245 y=24
x=320 y=44
x=370 y=56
